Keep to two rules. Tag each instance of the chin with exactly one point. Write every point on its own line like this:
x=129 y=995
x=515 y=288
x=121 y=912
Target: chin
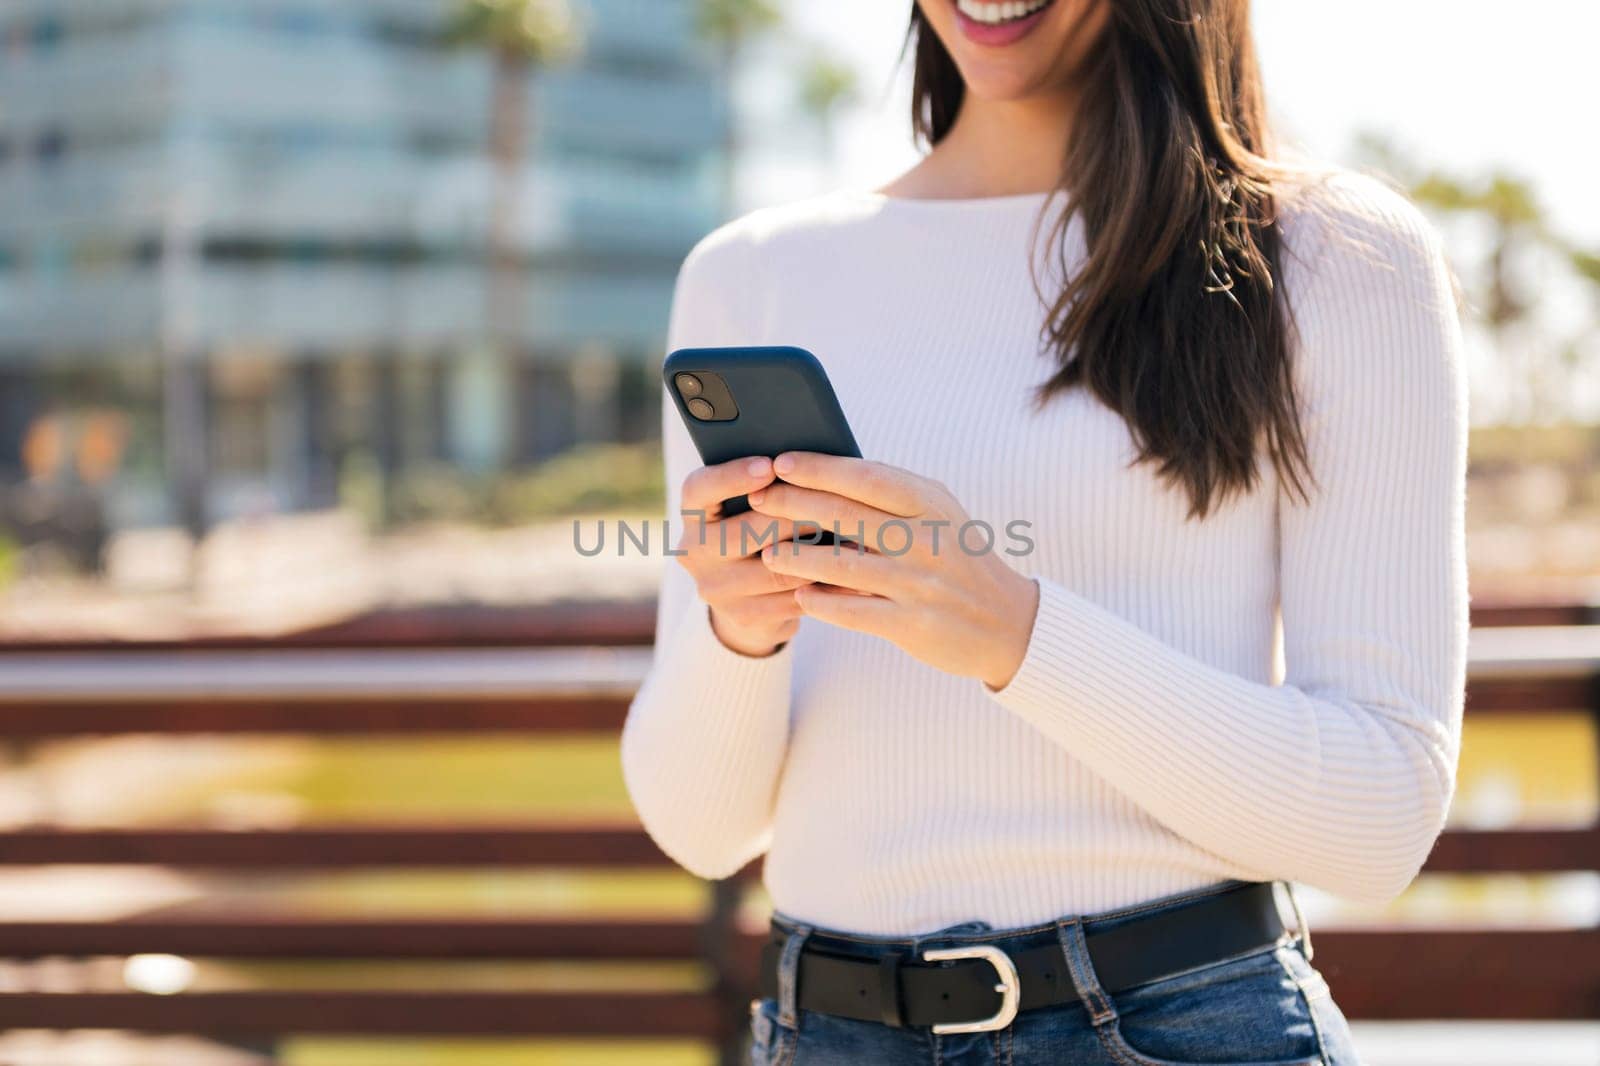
x=1008 y=83
x=1025 y=66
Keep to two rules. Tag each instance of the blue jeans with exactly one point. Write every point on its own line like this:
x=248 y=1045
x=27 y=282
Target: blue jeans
x=1266 y=1008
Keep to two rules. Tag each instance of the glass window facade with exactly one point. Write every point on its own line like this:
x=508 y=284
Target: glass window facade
x=309 y=182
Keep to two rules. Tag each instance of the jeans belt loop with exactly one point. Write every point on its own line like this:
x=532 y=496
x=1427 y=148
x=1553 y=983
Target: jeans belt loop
x=889 y=989
x=1299 y=920
x=789 y=976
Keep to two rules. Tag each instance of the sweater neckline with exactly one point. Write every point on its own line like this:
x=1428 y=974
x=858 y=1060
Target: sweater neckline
x=967 y=203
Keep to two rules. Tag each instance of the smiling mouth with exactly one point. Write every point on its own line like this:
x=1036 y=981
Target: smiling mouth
x=988 y=13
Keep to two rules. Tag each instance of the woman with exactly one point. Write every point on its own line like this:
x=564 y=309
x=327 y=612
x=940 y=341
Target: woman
x=1219 y=400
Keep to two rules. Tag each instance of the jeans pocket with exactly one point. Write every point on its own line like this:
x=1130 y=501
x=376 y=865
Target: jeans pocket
x=1241 y=1012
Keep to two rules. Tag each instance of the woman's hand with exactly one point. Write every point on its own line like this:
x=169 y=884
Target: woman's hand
x=948 y=601
x=753 y=609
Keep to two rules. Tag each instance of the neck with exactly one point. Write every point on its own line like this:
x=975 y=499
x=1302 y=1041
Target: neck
x=998 y=148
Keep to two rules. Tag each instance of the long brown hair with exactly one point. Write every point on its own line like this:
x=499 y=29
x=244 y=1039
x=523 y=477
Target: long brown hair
x=1174 y=319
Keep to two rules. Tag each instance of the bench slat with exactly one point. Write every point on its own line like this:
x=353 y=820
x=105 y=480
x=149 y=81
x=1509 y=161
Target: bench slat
x=602 y=711
x=1517 y=974
x=657 y=1015
x=265 y=936
x=1515 y=851
x=591 y=844
x=1531 y=655
x=317 y=847
x=599 y=713
x=575 y=623
x=1478 y=974
x=507 y=673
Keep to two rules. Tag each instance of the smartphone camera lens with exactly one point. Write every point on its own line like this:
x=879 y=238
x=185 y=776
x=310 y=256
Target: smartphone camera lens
x=701 y=409
x=688 y=385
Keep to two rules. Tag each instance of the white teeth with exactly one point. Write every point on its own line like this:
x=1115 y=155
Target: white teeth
x=990 y=13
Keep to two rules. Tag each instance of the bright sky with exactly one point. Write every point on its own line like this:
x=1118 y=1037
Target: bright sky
x=1460 y=83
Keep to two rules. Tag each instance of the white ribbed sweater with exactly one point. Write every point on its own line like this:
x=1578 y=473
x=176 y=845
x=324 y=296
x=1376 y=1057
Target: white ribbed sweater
x=1274 y=692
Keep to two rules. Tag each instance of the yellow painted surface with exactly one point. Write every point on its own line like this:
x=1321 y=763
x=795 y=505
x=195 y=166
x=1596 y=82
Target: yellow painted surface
x=326 y=1052
x=1528 y=769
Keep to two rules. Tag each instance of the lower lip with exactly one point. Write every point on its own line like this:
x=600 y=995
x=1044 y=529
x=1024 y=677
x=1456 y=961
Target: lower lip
x=1000 y=33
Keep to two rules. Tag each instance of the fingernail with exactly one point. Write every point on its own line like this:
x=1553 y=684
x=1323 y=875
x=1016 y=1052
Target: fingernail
x=783 y=463
x=756 y=467
x=756 y=497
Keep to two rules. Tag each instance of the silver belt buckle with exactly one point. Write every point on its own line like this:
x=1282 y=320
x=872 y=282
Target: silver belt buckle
x=1010 y=987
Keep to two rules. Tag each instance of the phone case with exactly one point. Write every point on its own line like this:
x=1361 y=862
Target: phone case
x=785 y=403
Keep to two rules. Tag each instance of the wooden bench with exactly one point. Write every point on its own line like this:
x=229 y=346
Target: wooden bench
x=355 y=690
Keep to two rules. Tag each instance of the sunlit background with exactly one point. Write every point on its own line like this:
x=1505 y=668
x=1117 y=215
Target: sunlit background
x=321 y=320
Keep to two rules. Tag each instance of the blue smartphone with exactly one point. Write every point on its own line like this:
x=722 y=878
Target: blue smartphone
x=756 y=401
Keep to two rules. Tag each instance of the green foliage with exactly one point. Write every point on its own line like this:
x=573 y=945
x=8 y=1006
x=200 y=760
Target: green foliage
x=593 y=479
x=588 y=480
x=1508 y=201
x=730 y=22
x=826 y=84
x=361 y=486
x=538 y=31
x=436 y=493
x=1506 y=296
x=9 y=555
x=1587 y=264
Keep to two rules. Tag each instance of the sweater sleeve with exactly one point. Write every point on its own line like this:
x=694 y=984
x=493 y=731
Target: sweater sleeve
x=706 y=735
x=1340 y=776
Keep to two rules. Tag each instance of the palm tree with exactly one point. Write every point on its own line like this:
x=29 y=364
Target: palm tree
x=1513 y=212
x=520 y=37
x=1516 y=224
x=730 y=25
x=826 y=85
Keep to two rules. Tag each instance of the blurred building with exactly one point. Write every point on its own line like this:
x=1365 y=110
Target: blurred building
x=244 y=243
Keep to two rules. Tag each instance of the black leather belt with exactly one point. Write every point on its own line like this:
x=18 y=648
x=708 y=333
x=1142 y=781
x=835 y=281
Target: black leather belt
x=901 y=990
